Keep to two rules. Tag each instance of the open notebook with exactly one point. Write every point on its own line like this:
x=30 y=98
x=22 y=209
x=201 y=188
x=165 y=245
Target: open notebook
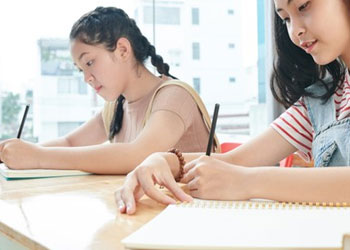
x=37 y=173
x=244 y=225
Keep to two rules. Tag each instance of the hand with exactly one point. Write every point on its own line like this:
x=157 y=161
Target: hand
x=209 y=178
x=154 y=170
x=18 y=154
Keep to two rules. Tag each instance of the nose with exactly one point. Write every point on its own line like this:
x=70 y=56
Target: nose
x=88 y=77
x=297 y=28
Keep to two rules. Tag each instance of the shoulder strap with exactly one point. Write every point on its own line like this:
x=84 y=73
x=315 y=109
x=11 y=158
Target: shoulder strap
x=195 y=97
x=107 y=115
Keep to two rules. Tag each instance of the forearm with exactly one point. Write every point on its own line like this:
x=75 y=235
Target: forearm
x=99 y=159
x=59 y=142
x=300 y=184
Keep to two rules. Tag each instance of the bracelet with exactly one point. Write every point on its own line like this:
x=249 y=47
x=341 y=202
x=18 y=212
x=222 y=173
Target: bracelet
x=181 y=161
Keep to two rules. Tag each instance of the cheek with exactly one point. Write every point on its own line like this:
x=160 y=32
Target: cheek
x=293 y=38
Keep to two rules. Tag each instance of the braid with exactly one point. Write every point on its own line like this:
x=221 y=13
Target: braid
x=157 y=61
x=116 y=123
x=106 y=25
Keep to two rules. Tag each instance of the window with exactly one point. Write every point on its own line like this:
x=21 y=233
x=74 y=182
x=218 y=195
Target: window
x=195 y=51
x=195 y=16
x=232 y=79
x=163 y=15
x=205 y=46
x=174 y=57
x=71 y=85
x=65 y=127
x=197 y=84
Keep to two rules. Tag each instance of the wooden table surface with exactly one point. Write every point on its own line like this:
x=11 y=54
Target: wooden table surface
x=68 y=212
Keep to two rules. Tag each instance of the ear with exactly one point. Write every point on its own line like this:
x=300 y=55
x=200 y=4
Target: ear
x=123 y=49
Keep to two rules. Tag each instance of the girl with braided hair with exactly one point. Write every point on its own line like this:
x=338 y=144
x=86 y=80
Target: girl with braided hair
x=143 y=113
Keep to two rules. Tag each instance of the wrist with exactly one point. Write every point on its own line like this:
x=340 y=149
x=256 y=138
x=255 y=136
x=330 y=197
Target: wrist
x=252 y=180
x=173 y=163
x=43 y=156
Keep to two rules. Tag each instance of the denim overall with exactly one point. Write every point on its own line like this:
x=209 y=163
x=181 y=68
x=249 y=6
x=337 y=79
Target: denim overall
x=331 y=142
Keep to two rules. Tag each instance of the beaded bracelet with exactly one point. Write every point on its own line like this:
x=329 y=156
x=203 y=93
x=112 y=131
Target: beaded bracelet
x=181 y=161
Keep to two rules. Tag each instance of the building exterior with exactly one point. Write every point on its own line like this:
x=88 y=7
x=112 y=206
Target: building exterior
x=61 y=99
x=208 y=46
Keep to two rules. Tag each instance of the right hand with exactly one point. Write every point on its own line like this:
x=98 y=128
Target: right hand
x=153 y=170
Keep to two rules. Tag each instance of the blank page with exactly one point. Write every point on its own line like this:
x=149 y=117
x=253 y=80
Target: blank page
x=243 y=225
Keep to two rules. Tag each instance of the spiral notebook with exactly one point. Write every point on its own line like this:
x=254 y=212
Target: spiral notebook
x=244 y=225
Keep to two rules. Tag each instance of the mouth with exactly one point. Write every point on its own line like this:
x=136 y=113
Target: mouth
x=97 y=89
x=308 y=46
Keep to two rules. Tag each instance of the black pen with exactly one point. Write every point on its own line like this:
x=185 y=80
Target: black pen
x=22 y=124
x=23 y=120
x=212 y=129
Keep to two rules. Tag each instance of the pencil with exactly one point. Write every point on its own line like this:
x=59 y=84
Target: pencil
x=212 y=129
x=23 y=120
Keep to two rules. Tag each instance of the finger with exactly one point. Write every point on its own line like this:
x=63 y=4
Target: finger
x=174 y=188
x=150 y=190
x=119 y=201
x=196 y=193
x=193 y=184
x=190 y=175
x=138 y=193
x=127 y=195
x=190 y=165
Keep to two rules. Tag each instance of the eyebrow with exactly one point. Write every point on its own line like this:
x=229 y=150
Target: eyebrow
x=84 y=53
x=279 y=9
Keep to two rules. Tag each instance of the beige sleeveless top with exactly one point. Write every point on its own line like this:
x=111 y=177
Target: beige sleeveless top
x=173 y=96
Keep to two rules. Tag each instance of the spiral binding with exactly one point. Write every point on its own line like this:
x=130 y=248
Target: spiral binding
x=260 y=204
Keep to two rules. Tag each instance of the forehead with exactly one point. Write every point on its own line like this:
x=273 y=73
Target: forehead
x=79 y=49
x=77 y=46
x=282 y=3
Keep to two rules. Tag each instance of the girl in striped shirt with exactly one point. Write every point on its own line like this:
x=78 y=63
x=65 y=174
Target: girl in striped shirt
x=311 y=78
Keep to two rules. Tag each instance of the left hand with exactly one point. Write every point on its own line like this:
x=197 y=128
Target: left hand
x=209 y=178
x=18 y=154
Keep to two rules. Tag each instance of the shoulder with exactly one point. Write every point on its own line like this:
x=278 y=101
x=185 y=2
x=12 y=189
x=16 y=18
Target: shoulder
x=176 y=97
x=175 y=88
x=175 y=94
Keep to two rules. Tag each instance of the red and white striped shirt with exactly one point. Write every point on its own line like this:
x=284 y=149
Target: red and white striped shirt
x=295 y=126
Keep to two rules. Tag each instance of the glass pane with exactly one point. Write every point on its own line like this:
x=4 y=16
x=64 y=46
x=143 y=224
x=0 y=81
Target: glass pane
x=36 y=68
x=219 y=55
x=218 y=48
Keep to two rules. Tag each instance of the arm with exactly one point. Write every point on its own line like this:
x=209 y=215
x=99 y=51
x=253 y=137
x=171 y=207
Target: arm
x=267 y=149
x=329 y=184
x=161 y=168
x=115 y=158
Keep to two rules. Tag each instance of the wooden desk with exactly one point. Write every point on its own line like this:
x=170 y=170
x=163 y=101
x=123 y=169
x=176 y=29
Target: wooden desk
x=68 y=213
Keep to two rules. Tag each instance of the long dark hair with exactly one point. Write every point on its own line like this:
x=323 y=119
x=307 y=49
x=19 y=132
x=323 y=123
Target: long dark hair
x=294 y=70
x=105 y=25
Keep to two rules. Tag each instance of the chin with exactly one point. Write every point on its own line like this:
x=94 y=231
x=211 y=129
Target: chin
x=323 y=60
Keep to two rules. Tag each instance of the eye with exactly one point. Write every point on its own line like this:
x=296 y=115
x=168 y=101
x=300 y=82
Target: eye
x=285 y=20
x=89 y=63
x=304 y=6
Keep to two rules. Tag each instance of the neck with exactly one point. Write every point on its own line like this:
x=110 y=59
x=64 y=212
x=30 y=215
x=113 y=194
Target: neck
x=140 y=84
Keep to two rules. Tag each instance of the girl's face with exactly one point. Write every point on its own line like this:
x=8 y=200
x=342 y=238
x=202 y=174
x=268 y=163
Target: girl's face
x=101 y=68
x=320 y=27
